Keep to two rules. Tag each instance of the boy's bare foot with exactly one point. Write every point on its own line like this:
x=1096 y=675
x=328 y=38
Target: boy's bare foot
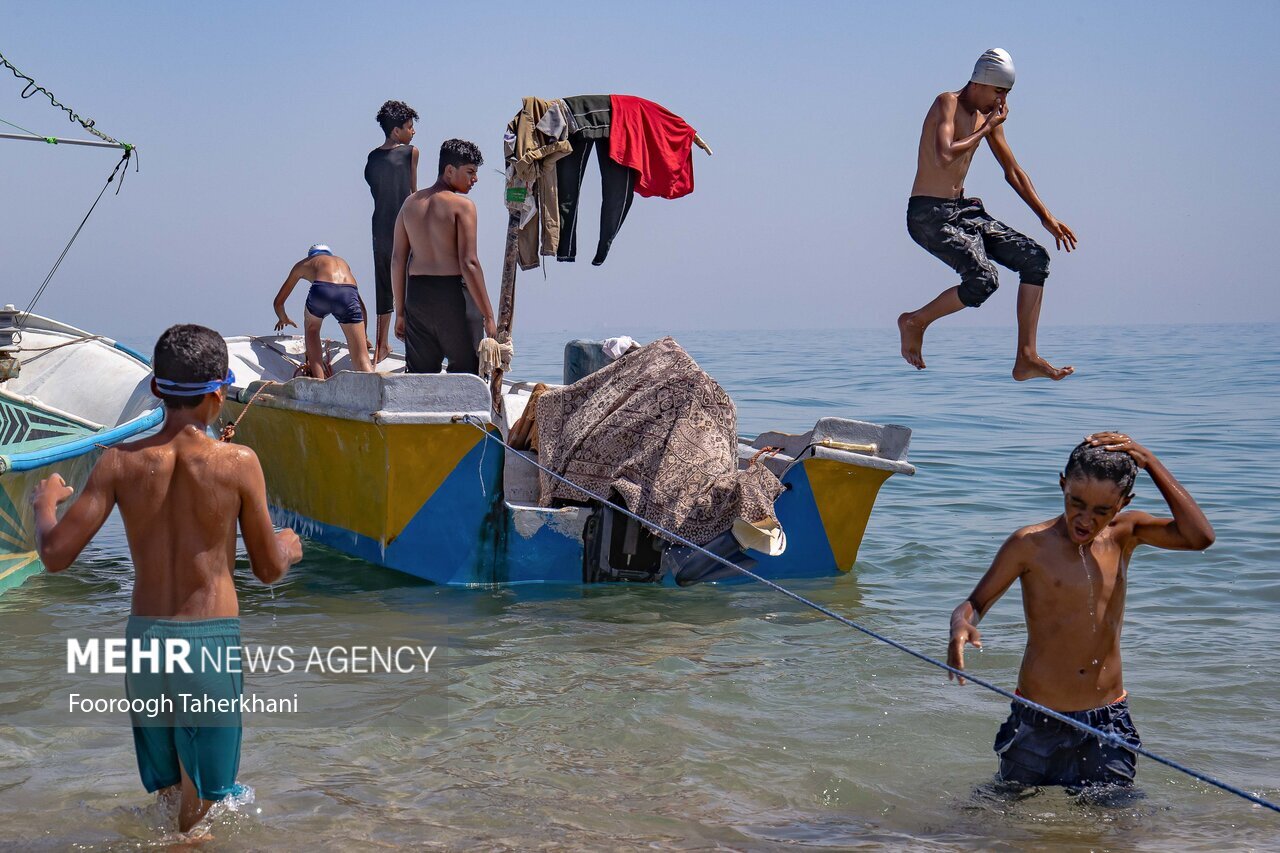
x=1032 y=366
x=381 y=355
x=912 y=336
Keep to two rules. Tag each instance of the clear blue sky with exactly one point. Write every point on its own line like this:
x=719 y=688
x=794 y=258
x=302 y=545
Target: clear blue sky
x=1149 y=128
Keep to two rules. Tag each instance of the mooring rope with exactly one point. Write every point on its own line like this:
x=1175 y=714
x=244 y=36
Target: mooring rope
x=1113 y=739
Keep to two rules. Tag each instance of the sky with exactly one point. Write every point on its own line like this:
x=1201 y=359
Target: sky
x=1149 y=128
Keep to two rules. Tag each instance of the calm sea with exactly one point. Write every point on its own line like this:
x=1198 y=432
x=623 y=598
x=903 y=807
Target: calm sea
x=728 y=717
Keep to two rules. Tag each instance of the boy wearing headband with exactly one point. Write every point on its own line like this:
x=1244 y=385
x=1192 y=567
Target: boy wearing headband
x=333 y=291
x=1073 y=571
x=181 y=495
x=959 y=232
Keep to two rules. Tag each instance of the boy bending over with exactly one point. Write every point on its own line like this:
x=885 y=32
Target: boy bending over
x=180 y=494
x=1073 y=570
x=333 y=291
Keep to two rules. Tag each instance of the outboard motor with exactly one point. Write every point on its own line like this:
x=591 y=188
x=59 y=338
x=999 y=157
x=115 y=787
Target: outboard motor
x=617 y=548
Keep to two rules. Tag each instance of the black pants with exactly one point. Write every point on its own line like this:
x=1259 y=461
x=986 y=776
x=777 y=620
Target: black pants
x=960 y=233
x=617 y=183
x=382 y=245
x=440 y=323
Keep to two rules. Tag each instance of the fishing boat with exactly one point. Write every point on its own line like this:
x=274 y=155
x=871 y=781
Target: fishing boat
x=396 y=469
x=65 y=395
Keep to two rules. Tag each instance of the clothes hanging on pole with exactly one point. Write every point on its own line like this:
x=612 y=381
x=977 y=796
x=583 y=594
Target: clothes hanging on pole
x=655 y=142
x=616 y=185
x=535 y=139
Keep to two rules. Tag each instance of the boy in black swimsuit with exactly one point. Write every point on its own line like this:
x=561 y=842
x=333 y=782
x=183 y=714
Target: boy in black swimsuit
x=333 y=291
x=392 y=175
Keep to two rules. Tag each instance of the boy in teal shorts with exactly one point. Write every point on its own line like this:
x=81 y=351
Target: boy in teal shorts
x=180 y=494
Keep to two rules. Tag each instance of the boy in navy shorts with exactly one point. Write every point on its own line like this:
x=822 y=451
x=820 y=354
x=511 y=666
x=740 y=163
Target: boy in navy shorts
x=1074 y=575
x=333 y=291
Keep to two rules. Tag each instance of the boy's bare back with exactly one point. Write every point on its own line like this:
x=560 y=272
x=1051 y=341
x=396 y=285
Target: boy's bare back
x=181 y=495
x=430 y=218
x=180 y=501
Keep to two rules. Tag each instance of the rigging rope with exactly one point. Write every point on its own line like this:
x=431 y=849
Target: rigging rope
x=128 y=152
x=1113 y=739
x=33 y=88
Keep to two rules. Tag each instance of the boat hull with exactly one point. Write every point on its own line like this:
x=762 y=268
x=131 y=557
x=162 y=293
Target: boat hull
x=427 y=499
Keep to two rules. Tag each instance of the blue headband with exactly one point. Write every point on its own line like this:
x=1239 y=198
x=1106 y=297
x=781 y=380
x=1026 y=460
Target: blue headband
x=192 y=389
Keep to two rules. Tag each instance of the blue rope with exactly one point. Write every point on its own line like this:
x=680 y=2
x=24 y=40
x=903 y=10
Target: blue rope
x=1113 y=739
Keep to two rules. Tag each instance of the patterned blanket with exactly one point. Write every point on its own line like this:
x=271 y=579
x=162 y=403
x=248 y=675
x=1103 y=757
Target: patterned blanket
x=658 y=431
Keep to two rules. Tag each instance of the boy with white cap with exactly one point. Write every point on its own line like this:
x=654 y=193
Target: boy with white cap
x=958 y=230
x=333 y=291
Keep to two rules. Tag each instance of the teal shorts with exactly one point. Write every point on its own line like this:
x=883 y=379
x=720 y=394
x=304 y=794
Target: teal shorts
x=188 y=731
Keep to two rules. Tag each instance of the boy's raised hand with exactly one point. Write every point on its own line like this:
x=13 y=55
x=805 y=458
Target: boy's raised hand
x=51 y=491
x=1118 y=441
x=962 y=631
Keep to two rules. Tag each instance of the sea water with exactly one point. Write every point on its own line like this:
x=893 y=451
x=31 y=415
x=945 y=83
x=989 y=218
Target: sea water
x=728 y=716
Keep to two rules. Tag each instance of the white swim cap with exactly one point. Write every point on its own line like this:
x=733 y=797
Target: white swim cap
x=994 y=68
x=319 y=249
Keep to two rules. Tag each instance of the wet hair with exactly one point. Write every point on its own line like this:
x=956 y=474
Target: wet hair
x=1101 y=464
x=459 y=152
x=393 y=114
x=189 y=353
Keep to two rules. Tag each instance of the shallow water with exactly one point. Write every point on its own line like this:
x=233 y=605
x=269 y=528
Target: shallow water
x=627 y=717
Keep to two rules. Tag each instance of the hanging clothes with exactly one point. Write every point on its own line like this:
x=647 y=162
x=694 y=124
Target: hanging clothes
x=535 y=139
x=616 y=185
x=591 y=117
x=655 y=142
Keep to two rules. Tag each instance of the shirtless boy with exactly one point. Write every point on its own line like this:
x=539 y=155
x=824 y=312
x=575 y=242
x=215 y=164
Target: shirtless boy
x=435 y=249
x=1073 y=570
x=391 y=172
x=333 y=291
x=959 y=232
x=180 y=494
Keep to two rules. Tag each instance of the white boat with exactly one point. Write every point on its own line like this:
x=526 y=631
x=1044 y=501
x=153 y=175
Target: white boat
x=65 y=394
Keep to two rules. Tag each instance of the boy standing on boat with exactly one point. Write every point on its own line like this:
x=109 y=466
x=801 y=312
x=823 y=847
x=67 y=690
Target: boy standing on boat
x=180 y=494
x=333 y=291
x=392 y=175
x=959 y=232
x=435 y=273
x=1073 y=571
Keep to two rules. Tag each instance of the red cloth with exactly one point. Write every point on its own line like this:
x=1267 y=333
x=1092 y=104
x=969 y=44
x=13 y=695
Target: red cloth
x=655 y=142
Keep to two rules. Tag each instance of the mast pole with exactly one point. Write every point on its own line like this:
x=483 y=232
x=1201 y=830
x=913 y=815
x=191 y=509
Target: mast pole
x=506 y=304
x=55 y=140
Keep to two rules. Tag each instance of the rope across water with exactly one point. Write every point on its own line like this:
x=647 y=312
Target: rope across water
x=1108 y=737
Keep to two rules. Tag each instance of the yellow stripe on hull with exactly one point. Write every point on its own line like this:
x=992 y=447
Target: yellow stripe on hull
x=360 y=476
x=844 y=495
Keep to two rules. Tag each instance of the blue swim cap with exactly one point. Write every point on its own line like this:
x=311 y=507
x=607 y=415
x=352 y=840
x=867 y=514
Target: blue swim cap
x=319 y=249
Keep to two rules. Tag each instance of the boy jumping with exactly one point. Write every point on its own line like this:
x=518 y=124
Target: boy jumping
x=1073 y=570
x=180 y=494
x=959 y=232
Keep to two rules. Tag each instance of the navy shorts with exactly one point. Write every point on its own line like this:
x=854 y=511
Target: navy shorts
x=960 y=233
x=340 y=300
x=1038 y=750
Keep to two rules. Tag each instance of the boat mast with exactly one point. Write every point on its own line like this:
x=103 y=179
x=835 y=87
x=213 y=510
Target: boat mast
x=57 y=140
